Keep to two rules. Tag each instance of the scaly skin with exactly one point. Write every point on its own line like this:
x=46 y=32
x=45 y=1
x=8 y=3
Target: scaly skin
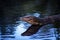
x=39 y=22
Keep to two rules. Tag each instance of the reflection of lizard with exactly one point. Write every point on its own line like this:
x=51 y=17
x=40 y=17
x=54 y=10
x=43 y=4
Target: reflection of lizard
x=37 y=23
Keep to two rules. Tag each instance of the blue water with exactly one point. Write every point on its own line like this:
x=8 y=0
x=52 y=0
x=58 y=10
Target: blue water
x=44 y=33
